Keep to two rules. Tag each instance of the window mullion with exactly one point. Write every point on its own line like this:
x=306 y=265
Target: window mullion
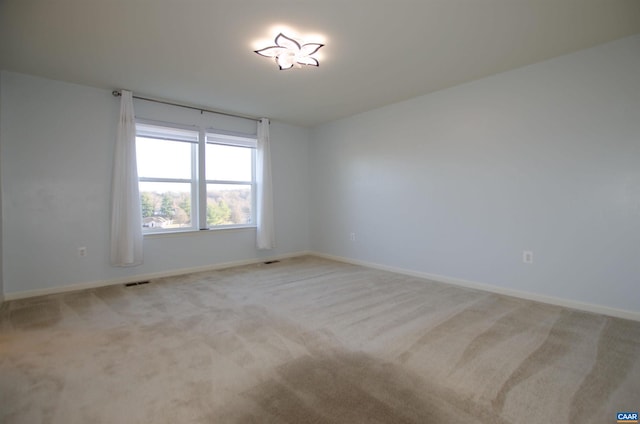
x=229 y=182
x=163 y=180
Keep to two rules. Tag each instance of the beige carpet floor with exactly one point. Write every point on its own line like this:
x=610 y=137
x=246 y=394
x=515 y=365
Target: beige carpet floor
x=309 y=340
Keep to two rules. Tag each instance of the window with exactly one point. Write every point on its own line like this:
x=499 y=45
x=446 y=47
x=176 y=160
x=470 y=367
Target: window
x=230 y=176
x=194 y=179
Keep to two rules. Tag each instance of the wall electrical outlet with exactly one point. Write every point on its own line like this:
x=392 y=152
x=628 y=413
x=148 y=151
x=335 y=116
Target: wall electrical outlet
x=82 y=252
x=352 y=236
x=527 y=257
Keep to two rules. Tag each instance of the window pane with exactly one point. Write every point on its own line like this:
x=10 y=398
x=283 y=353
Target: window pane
x=229 y=204
x=228 y=163
x=165 y=205
x=163 y=158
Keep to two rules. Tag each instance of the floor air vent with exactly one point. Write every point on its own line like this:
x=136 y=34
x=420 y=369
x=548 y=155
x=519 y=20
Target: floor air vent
x=271 y=262
x=139 y=283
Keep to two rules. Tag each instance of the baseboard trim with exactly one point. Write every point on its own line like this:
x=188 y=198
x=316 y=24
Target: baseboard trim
x=150 y=276
x=587 y=307
x=567 y=303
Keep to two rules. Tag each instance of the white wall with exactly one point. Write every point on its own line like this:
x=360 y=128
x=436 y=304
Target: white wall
x=57 y=152
x=459 y=182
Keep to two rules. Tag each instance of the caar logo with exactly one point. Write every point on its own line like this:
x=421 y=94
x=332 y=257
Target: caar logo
x=627 y=417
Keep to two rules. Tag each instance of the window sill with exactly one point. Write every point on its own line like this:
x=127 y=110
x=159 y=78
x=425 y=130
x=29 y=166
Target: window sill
x=196 y=232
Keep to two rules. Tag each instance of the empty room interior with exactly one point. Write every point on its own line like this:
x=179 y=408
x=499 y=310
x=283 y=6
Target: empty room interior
x=366 y=211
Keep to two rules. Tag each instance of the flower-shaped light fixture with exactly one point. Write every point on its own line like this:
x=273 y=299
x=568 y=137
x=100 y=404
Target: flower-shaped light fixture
x=289 y=53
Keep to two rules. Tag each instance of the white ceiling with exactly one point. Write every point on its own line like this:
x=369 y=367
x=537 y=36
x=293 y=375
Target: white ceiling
x=377 y=51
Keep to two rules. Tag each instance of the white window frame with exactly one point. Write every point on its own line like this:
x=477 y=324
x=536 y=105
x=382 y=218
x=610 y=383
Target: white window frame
x=227 y=138
x=179 y=134
x=198 y=179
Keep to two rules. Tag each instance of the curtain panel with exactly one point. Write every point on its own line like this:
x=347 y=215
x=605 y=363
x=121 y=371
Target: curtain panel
x=126 y=214
x=265 y=232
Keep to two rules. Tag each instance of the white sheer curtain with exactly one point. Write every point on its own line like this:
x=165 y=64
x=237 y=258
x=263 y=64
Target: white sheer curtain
x=126 y=215
x=265 y=235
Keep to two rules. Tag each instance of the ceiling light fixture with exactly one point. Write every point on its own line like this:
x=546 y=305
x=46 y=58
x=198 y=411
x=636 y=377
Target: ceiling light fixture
x=289 y=53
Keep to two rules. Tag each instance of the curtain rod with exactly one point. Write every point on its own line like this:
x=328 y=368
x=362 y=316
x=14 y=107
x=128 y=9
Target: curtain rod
x=117 y=93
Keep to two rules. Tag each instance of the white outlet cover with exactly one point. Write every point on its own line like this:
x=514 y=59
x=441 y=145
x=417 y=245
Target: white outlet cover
x=527 y=257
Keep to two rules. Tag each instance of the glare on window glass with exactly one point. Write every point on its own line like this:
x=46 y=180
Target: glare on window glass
x=228 y=204
x=228 y=163
x=163 y=158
